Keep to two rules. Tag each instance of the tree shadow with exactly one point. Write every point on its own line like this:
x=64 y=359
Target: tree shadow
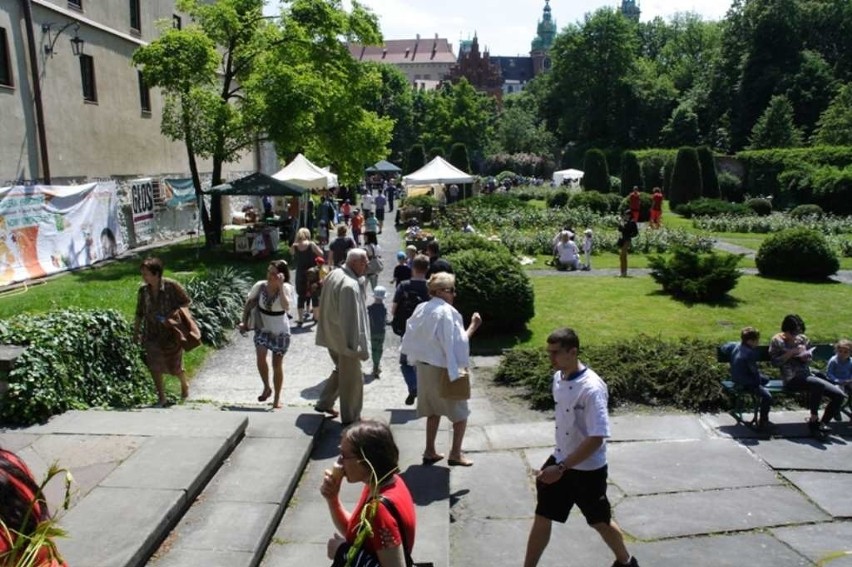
x=729 y=301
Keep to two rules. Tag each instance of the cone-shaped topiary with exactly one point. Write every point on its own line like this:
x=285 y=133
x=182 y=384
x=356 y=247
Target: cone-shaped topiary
x=596 y=172
x=686 y=178
x=459 y=158
x=416 y=158
x=709 y=177
x=631 y=173
x=797 y=253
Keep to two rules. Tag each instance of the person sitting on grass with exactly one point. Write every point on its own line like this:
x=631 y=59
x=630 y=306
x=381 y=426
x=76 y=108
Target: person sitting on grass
x=745 y=373
x=567 y=252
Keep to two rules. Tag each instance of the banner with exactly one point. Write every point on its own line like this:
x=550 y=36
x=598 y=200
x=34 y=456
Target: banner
x=142 y=203
x=48 y=229
x=177 y=192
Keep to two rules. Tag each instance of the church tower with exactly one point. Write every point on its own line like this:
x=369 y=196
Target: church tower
x=542 y=43
x=630 y=10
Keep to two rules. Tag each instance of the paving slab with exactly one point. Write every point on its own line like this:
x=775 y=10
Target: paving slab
x=820 y=542
x=788 y=424
x=753 y=550
x=520 y=435
x=286 y=423
x=830 y=491
x=294 y=554
x=715 y=511
x=13 y=441
x=476 y=494
x=217 y=558
x=676 y=466
x=224 y=526
x=805 y=454
x=636 y=427
x=114 y=527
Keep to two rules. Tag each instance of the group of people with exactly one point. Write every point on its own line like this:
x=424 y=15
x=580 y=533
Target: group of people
x=791 y=352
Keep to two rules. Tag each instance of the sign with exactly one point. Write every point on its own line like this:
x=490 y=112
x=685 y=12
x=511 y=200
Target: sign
x=47 y=229
x=142 y=202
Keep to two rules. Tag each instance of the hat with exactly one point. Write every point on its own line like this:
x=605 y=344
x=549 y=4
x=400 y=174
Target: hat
x=588 y=232
x=379 y=292
x=319 y=260
x=400 y=255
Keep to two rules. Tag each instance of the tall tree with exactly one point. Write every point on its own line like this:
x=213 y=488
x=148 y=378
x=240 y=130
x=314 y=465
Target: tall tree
x=835 y=125
x=775 y=127
x=395 y=100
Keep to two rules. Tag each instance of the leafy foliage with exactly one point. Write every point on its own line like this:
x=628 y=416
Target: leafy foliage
x=760 y=206
x=696 y=277
x=596 y=172
x=416 y=158
x=730 y=186
x=709 y=178
x=595 y=201
x=711 y=208
x=488 y=282
x=803 y=211
x=796 y=253
x=686 y=178
x=775 y=127
x=835 y=124
x=74 y=360
x=558 y=199
x=217 y=303
x=459 y=158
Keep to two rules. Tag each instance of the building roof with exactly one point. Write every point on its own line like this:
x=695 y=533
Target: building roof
x=515 y=68
x=402 y=51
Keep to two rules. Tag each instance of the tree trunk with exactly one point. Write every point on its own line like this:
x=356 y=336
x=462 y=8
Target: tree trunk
x=216 y=204
x=196 y=180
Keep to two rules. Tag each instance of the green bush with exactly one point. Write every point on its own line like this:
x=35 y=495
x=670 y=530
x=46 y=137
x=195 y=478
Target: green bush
x=696 y=277
x=495 y=285
x=647 y=370
x=456 y=241
x=653 y=163
x=686 y=178
x=709 y=178
x=416 y=157
x=806 y=211
x=797 y=253
x=596 y=172
x=504 y=175
x=644 y=206
x=420 y=201
x=558 y=199
x=74 y=360
x=711 y=208
x=631 y=173
x=760 y=206
x=217 y=303
x=730 y=186
x=592 y=200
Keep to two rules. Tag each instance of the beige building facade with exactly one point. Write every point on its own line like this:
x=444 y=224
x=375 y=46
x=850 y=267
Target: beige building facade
x=97 y=118
x=424 y=61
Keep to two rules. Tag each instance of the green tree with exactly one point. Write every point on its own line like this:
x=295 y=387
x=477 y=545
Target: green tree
x=596 y=172
x=810 y=89
x=631 y=173
x=520 y=129
x=395 y=100
x=709 y=176
x=775 y=127
x=682 y=127
x=435 y=152
x=835 y=124
x=685 y=183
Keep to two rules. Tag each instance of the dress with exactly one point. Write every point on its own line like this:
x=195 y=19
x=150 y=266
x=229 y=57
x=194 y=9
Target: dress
x=386 y=532
x=163 y=352
x=274 y=331
x=305 y=260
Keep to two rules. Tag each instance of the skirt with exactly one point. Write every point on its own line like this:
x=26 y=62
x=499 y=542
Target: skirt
x=162 y=359
x=429 y=400
x=278 y=344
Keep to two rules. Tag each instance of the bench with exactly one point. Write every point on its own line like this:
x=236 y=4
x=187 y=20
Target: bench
x=739 y=397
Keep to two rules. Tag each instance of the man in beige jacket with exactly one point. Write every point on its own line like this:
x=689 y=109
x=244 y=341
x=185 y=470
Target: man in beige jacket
x=344 y=329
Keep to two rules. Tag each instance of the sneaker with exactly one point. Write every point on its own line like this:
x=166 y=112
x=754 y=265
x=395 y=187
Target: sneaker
x=824 y=427
x=632 y=563
x=409 y=400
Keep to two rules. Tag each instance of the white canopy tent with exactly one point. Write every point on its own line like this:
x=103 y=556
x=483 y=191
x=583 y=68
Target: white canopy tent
x=305 y=174
x=332 y=177
x=438 y=170
x=572 y=175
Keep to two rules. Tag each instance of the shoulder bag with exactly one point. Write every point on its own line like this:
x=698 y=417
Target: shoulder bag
x=458 y=389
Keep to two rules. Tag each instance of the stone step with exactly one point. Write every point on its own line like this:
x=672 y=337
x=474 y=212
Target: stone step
x=230 y=524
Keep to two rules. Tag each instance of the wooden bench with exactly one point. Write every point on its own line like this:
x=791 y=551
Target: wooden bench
x=739 y=397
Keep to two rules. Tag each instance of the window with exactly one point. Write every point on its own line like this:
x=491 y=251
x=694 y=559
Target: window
x=135 y=15
x=176 y=22
x=75 y=4
x=5 y=63
x=144 y=94
x=87 y=74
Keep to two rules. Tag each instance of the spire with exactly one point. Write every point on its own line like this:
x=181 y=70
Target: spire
x=546 y=30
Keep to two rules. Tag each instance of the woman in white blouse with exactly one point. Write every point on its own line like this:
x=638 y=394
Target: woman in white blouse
x=267 y=306
x=436 y=341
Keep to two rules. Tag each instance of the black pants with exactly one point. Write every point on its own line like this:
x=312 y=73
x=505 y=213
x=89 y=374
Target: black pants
x=817 y=388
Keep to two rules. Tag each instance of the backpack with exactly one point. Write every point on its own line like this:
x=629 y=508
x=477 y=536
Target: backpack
x=409 y=300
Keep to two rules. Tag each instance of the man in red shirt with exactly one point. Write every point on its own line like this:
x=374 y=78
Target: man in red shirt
x=656 y=207
x=634 y=204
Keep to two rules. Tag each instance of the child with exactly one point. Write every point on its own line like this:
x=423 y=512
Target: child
x=346 y=210
x=744 y=371
x=587 y=249
x=839 y=368
x=378 y=314
x=410 y=253
x=402 y=271
x=357 y=223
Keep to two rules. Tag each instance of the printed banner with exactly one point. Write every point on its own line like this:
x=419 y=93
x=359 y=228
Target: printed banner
x=177 y=192
x=142 y=202
x=48 y=229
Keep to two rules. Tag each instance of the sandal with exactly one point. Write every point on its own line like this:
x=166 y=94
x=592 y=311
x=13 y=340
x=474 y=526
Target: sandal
x=431 y=460
x=462 y=462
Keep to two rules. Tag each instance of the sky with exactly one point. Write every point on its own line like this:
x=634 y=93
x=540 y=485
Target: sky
x=506 y=27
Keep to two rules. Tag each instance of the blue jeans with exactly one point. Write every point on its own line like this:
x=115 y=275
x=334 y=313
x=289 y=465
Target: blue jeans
x=409 y=373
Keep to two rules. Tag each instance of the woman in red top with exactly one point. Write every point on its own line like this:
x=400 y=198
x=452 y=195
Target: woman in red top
x=369 y=454
x=23 y=508
x=656 y=207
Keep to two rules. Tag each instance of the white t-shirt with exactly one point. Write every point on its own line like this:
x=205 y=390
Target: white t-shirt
x=567 y=251
x=435 y=334
x=275 y=324
x=581 y=412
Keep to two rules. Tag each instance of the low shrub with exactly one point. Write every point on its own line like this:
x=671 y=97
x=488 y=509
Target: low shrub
x=760 y=206
x=593 y=200
x=558 y=199
x=217 y=303
x=453 y=242
x=647 y=370
x=797 y=253
x=644 y=206
x=504 y=175
x=776 y=222
x=711 y=208
x=495 y=285
x=420 y=201
x=74 y=360
x=730 y=186
x=803 y=211
x=696 y=277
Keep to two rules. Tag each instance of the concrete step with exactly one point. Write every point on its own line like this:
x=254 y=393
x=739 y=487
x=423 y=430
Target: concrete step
x=230 y=524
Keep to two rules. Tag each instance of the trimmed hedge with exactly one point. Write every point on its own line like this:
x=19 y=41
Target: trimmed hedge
x=797 y=253
x=596 y=172
x=601 y=203
x=709 y=178
x=631 y=173
x=690 y=276
x=686 y=178
x=711 y=208
x=760 y=206
x=803 y=211
x=653 y=163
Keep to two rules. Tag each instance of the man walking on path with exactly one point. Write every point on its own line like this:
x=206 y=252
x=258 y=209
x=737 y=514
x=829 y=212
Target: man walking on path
x=344 y=329
x=576 y=472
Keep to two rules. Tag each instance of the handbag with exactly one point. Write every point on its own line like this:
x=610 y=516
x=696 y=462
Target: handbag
x=375 y=264
x=458 y=389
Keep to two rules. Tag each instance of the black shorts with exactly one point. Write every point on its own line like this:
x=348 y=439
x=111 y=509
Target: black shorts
x=587 y=489
x=380 y=214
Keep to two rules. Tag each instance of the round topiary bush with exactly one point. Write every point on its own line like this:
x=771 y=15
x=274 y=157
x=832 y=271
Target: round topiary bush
x=558 y=199
x=495 y=285
x=806 y=211
x=797 y=253
x=592 y=200
x=760 y=206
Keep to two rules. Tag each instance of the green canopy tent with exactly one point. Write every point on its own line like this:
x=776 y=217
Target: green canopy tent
x=258 y=185
x=383 y=166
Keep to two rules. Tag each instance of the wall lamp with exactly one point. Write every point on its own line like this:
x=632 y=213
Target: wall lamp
x=76 y=41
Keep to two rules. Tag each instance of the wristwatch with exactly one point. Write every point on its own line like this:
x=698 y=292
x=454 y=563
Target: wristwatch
x=562 y=468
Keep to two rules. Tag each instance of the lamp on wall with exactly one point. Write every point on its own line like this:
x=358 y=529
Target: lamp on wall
x=76 y=41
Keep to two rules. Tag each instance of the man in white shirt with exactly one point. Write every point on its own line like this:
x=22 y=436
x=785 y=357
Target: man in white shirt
x=576 y=472
x=368 y=204
x=567 y=252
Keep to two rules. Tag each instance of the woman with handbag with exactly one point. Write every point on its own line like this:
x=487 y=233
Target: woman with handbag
x=265 y=311
x=436 y=340
x=385 y=511
x=375 y=265
x=157 y=302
